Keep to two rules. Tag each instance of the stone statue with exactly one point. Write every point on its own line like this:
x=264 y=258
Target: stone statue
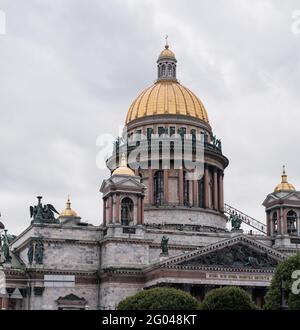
x=39 y=252
x=252 y=262
x=206 y=136
x=30 y=253
x=164 y=245
x=235 y=222
x=214 y=140
x=41 y=213
x=116 y=144
x=5 y=247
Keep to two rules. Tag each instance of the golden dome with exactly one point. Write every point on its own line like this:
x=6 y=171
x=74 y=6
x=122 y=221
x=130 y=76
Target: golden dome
x=166 y=53
x=123 y=169
x=68 y=212
x=167 y=98
x=284 y=185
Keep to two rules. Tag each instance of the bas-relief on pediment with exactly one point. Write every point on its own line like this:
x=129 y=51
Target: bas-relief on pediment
x=235 y=256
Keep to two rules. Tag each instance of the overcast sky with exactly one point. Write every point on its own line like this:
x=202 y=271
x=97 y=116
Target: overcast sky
x=70 y=69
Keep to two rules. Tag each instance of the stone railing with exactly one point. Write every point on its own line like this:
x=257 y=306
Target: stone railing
x=156 y=145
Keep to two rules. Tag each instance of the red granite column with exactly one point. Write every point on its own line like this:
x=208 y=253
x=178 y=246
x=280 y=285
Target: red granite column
x=117 y=208
x=142 y=210
x=150 y=186
x=206 y=188
x=166 y=186
x=221 y=192
x=195 y=192
x=110 y=214
x=284 y=220
x=269 y=224
x=279 y=222
x=215 y=189
x=191 y=193
x=180 y=186
x=104 y=212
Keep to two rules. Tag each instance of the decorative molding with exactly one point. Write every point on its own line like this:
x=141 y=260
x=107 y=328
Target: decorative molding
x=125 y=240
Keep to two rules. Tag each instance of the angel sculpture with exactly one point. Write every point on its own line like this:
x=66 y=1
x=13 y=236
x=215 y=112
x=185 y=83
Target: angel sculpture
x=235 y=222
x=48 y=212
x=41 y=213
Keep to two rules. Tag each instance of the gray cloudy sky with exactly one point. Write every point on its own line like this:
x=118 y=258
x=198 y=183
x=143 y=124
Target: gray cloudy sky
x=70 y=69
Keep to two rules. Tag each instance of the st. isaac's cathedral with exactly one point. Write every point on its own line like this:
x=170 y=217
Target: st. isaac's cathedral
x=159 y=228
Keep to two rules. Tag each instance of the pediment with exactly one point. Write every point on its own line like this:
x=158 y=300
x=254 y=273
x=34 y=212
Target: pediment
x=119 y=182
x=269 y=199
x=295 y=196
x=105 y=184
x=238 y=252
x=128 y=182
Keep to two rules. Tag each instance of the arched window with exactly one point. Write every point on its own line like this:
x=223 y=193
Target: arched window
x=170 y=70
x=163 y=70
x=291 y=222
x=201 y=192
x=275 y=222
x=126 y=211
x=186 y=190
x=158 y=187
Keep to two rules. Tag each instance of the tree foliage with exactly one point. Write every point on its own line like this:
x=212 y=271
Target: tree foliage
x=227 y=298
x=281 y=284
x=159 y=299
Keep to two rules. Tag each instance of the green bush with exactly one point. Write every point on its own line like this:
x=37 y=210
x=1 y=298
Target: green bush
x=283 y=278
x=159 y=299
x=227 y=298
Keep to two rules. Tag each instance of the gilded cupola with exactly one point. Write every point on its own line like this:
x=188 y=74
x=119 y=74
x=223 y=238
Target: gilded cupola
x=284 y=185
x=123 y=169
x=68 y=212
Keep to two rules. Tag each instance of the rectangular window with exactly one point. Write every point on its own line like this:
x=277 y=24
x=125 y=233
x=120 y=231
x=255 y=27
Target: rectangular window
x=182 y=131
x=172 y=130
x=161 y=131
x=138 y=136
x=193 y=132
x=149 y=133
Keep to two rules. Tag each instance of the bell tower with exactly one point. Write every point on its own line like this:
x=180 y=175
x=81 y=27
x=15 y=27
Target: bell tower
x=123 y=197
x=283 y=214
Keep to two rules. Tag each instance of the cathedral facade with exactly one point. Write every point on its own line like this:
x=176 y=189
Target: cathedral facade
x=164 y=219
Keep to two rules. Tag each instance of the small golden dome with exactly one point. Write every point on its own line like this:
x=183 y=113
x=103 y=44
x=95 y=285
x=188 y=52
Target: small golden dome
x=68 y=212
x=123 y=169
x=284 y=185
x=167 y=98
x=166 y=53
